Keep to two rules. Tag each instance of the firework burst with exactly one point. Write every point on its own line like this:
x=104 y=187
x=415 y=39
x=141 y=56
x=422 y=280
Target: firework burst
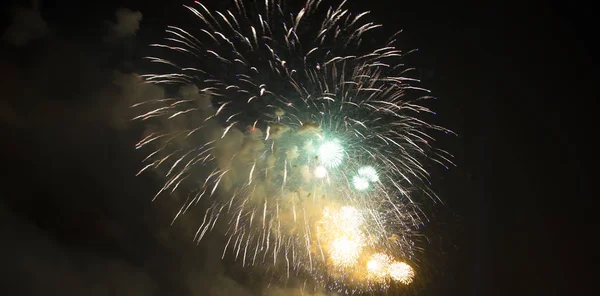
x=304 y=142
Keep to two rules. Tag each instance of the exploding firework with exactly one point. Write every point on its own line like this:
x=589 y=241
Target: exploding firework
x=401 y=272
x=303 y=142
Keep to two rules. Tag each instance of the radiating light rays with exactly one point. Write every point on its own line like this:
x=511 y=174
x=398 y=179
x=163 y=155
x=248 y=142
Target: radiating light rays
x=377 y=267
x=344 y=235
x=369 y=173
x=382 y=268
x=339 y=232
x=345 y=251
x=304 y=146
x=401 y=272
x=331 y=153
x=367 y=176
x=360 y=183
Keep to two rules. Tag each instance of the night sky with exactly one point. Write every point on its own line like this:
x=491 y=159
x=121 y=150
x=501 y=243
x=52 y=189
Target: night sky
x=512 y=79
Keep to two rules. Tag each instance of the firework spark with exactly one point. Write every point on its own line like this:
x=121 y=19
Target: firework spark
x=341 y=235
x=304 y=143
x=377 y=267
x=401 y=272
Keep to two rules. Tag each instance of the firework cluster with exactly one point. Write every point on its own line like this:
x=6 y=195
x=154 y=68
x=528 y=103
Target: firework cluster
x=302 y=143
x=347 y=242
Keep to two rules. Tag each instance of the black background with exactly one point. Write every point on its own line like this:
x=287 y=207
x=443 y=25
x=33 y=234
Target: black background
x=513 y=79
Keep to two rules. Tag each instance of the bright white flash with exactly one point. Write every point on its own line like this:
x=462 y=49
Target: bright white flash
x=369 y=173
x=402 y=272
x=366 y=176
x=320 y=172
x=360 y=183
x=331 y=153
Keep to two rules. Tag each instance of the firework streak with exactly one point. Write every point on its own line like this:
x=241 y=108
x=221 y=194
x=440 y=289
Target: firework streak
x=304 y=142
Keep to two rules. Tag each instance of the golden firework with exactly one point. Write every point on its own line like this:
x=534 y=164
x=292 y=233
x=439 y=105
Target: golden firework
x=377 y=267
x=401 y=272
x=340 y=233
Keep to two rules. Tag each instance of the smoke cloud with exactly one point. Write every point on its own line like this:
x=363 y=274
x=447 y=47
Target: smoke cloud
x=127 y=23
x=27 y=26
x=70 y=113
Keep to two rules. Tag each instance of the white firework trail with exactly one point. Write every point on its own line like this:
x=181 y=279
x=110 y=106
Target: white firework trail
x=285 y=121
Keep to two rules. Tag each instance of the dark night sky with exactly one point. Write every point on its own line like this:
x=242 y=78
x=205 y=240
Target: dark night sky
x=513 y=80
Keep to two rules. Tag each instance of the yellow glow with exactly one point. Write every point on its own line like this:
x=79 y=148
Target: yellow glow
x=345 y=252
x=339 y=231
x=401 y=272
x=320 y=172
x=377 y=267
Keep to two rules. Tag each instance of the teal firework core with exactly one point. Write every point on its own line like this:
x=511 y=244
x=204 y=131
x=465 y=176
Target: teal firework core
x=360 y=183
x=369 y=173
x=366 y=176
x=331 y=153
